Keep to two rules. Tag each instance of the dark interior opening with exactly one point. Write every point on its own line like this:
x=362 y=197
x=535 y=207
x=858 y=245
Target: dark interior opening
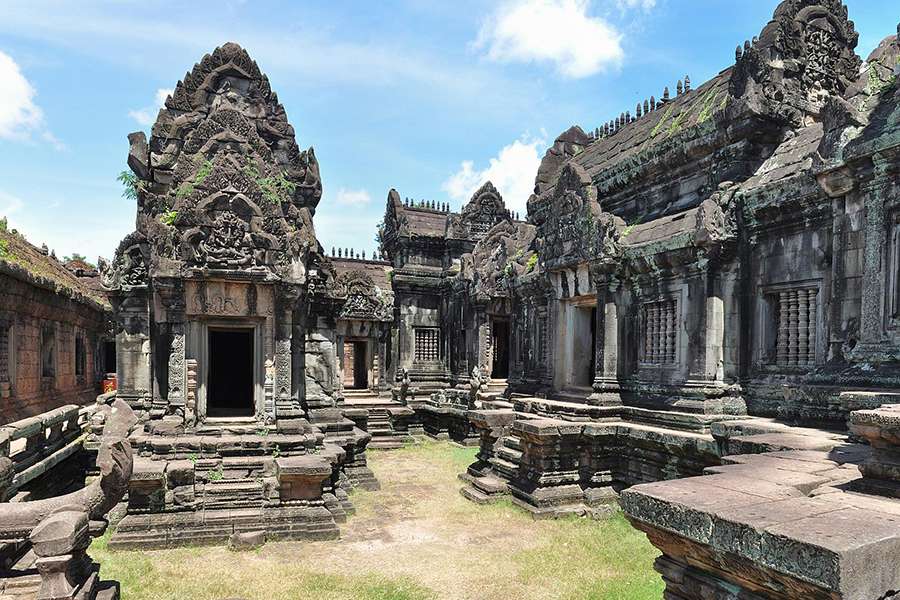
x=500 y=366
x=109 y=357
x=360 y=372
x=230 y=383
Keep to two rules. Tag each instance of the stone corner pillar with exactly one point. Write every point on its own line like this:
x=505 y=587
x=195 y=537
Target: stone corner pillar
x=606 y=379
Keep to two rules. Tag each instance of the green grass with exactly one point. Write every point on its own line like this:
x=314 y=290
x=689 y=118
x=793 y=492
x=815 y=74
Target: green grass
x=599 y=559
x=457 y=550
x=216 y=573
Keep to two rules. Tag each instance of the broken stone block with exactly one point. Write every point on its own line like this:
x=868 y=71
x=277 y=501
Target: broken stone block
x=247 y=540
x=302 y=477
x=147 y=487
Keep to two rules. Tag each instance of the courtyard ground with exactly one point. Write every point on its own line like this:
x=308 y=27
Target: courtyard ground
x=417 y=538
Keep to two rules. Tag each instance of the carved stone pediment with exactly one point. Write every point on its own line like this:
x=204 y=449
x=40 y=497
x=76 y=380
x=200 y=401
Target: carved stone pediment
x=363 y=299
x=222 y=183
x=130 y=265
x=803 y=56
x=568 y=217
x=485 y=209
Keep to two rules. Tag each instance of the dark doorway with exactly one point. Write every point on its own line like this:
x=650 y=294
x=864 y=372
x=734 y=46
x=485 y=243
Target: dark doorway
x=500 y=366
x=109 y=357
x=230 y=382
x=356 y=372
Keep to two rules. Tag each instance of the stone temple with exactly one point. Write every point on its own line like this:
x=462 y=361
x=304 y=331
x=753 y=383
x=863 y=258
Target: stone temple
x=697 y=319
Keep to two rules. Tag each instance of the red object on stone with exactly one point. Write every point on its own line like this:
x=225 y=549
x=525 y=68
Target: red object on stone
x=110 y=384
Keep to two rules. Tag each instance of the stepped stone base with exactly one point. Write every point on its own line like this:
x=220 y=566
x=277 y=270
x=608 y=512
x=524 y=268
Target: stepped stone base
x=555 y=458
x=211 y=527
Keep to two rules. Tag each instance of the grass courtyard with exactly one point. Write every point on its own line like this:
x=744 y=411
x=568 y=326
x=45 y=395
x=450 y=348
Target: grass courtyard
x=415 y=539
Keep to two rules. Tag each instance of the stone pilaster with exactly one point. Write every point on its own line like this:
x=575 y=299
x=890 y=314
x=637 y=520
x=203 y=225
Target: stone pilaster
x=606 y=381
x=171 y=295
x=287 y=404
x=873 y=346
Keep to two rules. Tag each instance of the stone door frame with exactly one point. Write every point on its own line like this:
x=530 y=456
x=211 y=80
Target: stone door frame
x=198 y=343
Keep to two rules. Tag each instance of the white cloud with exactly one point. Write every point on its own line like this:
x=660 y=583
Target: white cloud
x=353 y=197
x=645 y=5
x=20 y=117
x=556 y=31
x=147 y=115
x=9 y=204
x=512 y=172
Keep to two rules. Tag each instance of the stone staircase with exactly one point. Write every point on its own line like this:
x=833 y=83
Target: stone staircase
x=235 y=484
x=493 y=390
x=379 y=424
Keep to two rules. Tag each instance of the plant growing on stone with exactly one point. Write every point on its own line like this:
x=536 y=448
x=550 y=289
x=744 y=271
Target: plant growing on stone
x=168 y=217
x=4 y=224
x=277 y=189
x=276 y=451
x=532 y=262
x=216 y=474
x=131 y=185
x=4 y=248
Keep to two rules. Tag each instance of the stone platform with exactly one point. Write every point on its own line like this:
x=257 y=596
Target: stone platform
x=201 y=487
x=774 y=526
x=555 y=458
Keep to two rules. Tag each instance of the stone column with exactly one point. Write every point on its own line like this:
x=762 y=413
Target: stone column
x=606 y=380
x=287 y=404
x=872 y=345
x=171 y=295
x=133 y=357
x=384 y=386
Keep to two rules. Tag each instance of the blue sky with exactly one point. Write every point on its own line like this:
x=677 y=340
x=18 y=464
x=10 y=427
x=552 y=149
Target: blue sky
x=427 y=97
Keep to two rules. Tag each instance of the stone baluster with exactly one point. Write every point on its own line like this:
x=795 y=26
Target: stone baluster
x=5 y=385
x=673 y=331
x=782 y=340
x=666 y=327
x=190 y=407
x=646 y=319
x=657 y=322
x=793 y=316
x=802 y=328
x=811 y=301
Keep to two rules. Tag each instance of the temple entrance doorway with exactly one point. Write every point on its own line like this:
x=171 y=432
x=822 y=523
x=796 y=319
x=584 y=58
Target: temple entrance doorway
x=230 y=380
x=500 y=341
x=579 y=343
x=356 y=368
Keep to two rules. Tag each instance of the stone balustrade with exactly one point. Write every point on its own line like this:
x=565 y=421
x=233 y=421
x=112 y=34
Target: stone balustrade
x=31 y=447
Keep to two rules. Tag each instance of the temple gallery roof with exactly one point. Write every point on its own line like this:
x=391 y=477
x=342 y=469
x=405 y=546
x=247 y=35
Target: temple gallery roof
x=426 y=222
x=23 y=261
x=669 y=118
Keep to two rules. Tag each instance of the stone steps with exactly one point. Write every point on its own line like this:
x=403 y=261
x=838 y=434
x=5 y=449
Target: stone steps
x=233 y=493
x=504 y=468
x=510 y=455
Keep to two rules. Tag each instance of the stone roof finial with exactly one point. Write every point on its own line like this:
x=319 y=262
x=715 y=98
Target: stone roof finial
x=339 y=253
x=679 y=88
x=646 y=107
x=364 y=255
x=637 y=111
x=738 y=53
x=746 y=46
x=687 y=83
x=665 y=97
x=652 y=103
x=332 y=251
